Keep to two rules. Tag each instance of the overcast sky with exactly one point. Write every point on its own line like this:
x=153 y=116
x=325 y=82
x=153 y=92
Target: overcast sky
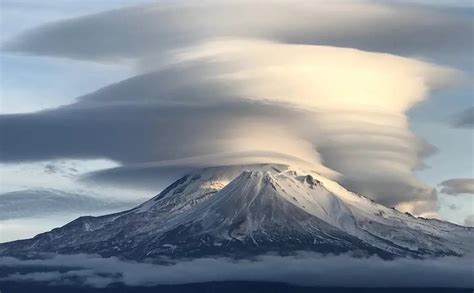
x=377 y=94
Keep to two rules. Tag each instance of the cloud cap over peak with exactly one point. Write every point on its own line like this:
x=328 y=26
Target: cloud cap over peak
x=215 y=80
x=250 y=97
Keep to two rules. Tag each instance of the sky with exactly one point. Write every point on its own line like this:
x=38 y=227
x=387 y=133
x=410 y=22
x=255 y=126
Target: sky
x=376 y=95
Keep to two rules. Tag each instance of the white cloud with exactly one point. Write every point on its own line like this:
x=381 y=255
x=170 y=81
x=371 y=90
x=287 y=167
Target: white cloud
x=356 y=103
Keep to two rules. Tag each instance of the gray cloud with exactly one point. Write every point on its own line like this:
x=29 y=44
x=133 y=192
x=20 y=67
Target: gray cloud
x=457 y=186
x=42 y=202
x=464 y=119
x=63 y=5
x=469 y=221
x=136 y=32
x=51 y=169
x=61 y=169
x=153 y=176
x=305 y=268
x=125 y=133
x=453 y=207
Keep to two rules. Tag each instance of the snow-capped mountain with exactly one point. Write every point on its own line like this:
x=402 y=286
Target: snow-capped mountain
x=247 y=210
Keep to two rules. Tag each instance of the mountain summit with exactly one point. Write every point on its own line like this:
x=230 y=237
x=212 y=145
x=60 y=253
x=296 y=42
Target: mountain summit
x=247 y=210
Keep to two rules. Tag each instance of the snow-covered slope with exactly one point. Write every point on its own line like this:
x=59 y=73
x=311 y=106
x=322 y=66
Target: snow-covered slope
x=245 y=210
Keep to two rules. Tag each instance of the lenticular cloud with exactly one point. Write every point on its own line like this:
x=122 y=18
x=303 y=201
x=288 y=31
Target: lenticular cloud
x=340 y=109
x=216 y=95
x=354 y=104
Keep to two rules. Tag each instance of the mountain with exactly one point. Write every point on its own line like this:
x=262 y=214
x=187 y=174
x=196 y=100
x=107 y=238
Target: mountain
x=241 y=211
x=41 y=202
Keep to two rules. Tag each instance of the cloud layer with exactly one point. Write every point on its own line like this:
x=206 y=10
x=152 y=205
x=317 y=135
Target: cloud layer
x=212 y=89
x=255 y=97
x=144 y=30
x=37 y=203
x=305 y=268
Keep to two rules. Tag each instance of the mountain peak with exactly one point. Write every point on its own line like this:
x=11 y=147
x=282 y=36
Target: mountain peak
x=242 y=210
x=257 y=177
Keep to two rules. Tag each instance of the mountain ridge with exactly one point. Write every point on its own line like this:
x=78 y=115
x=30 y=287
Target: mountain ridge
x=246 y=210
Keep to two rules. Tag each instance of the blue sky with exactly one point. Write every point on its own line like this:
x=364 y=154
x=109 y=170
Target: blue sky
x=51 y=81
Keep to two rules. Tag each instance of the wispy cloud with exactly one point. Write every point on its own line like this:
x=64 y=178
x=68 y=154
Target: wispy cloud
x=457 y=186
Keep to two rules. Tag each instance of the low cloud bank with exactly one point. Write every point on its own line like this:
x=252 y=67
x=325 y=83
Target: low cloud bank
x=305 y=268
